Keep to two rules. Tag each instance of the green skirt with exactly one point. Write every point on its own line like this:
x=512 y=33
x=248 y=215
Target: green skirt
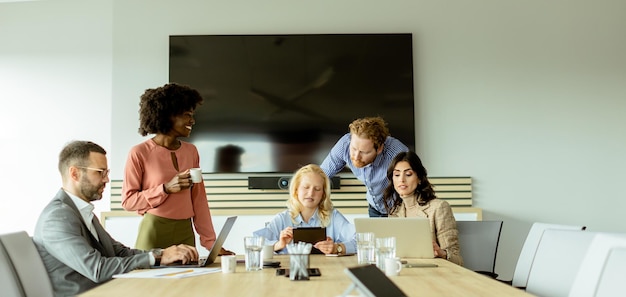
x=158 y=232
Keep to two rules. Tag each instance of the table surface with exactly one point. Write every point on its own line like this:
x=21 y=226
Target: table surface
x=447 y=279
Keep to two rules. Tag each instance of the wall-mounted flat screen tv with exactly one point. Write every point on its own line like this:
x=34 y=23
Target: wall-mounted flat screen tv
x=273 y=103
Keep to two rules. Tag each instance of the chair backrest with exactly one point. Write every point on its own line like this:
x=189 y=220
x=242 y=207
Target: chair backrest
x=479 y=244
x=527 y=255
x=27 y=263
x=603 y=270
x=614 y=273
x=559 y=256
x=9 y=282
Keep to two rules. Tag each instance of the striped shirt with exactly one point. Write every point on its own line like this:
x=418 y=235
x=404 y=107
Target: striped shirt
x=373 y=175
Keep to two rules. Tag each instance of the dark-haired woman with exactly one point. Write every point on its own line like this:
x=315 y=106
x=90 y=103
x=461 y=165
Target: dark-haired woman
x=410 y=194
x=157 y=183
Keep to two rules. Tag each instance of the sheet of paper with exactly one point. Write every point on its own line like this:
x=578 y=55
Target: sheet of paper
x=167 y=273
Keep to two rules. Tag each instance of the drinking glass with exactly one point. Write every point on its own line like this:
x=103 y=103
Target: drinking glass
x=253 y=246
x=385 y=248
x=365 y=248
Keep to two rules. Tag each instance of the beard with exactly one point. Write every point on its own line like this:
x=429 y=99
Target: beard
x=359 y=163
x=89 y=191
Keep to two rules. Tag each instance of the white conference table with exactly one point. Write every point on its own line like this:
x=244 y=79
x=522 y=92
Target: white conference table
x=447 y=279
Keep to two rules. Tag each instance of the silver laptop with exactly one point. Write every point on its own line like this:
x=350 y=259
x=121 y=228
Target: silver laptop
x=413 y=237
x=215 y=250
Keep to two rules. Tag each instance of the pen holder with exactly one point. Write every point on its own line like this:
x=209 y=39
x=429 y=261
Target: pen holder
x=298 y=266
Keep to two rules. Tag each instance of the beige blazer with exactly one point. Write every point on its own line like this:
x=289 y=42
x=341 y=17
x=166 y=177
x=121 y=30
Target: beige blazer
x=442 y=226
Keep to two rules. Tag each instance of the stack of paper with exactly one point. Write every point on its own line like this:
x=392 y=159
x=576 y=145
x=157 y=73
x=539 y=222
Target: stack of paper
x=167 y=273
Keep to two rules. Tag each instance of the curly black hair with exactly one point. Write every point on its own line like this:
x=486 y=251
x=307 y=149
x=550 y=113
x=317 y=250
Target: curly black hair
x=158 y=106
x=424 y=190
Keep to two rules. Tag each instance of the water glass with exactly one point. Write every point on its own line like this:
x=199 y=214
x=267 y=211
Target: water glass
x=385 y=248
x=299 y=266
x=365 y=248
x=253 y=246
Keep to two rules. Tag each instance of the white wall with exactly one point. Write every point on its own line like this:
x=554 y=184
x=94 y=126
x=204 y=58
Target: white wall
x=530 y=100
x=527 y=97
x=55 y=86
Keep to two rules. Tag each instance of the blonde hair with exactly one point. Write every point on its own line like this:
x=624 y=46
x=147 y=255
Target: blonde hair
x=325 y=207
x=372 y=128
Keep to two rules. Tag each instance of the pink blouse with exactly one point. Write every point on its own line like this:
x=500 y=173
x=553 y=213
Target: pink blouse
x=148 y=167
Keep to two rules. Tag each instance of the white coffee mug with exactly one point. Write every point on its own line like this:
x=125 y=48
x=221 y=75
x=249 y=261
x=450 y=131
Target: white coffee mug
x=229 y=262
x=393 y=266
x=196 y=175
x=268 y=252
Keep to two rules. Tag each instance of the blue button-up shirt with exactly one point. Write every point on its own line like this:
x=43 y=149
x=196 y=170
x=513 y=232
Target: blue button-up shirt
x=340 y=230
x=374 y=175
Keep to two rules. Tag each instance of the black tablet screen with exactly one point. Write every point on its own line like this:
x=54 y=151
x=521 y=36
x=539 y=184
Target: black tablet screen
x=373 y=282
x=311 y=235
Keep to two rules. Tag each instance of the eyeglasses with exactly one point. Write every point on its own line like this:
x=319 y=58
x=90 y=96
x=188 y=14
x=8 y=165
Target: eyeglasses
x=103 y=172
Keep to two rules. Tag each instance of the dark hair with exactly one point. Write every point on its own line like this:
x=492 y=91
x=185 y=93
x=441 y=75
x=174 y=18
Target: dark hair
x=76 y=153
x=228 y=158
x=424 y=189
x=158 y=106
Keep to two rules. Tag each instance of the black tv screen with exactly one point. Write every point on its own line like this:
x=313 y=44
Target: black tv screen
x=273 y=103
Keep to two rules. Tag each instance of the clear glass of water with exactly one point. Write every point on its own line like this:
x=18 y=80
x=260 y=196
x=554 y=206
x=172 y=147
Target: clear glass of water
x=385 y=248
x=365 y=248
x=253 y=246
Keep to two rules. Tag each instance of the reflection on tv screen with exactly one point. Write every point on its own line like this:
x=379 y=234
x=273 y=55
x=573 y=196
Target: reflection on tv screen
x=273 y=103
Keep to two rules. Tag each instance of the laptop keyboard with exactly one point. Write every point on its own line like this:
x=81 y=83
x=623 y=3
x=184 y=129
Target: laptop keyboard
x=200 y=262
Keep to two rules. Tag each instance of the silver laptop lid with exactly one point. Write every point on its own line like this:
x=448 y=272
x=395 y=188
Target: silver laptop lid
x=413 y=236
x=217 y=246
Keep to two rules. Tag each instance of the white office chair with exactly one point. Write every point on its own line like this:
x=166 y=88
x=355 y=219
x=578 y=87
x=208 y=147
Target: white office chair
x=527 y=255
x=28 y=264
x=479 y=245
x=613 y=275
x=557 y=260
x=9 y=282
x=603 y=270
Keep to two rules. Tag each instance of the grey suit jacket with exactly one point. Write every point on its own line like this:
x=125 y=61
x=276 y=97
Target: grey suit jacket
x=75 y=260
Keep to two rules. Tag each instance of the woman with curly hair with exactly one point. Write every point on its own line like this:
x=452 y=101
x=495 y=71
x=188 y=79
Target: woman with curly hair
x=309 y=205
x=410 y=194
x=157 y=183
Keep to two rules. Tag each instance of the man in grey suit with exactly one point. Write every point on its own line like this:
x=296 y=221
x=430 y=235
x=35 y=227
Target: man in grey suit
x=76 y=250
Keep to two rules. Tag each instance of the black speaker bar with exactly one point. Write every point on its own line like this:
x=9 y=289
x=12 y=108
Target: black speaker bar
x=281 y=182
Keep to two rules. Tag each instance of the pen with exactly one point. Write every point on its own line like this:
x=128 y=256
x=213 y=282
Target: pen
x=177 y=272
x=419 y=265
